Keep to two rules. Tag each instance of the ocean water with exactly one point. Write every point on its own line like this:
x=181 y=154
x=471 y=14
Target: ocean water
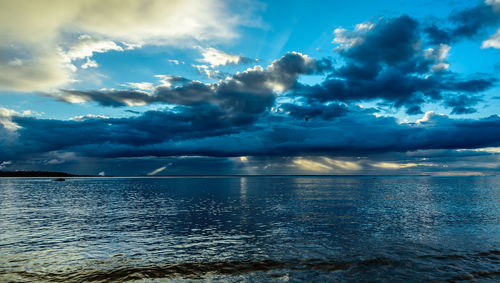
x=257 y=229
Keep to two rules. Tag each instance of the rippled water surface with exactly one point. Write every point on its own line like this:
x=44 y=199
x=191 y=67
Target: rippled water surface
x=250 y=229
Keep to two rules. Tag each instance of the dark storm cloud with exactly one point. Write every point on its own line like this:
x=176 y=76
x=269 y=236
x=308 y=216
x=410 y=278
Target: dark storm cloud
x=238 y=99
x=388 y=61
x=325 y=112
x=470 y=21
x=112 y=98
x=199 y=132
x=251 y=90
x=153 y=127
x=461 y=104
x=132 y=111
x=414 y=110
x=466 y=23
x=390 y=42
x=437 y=35
x=363 y=133
x=394 y=86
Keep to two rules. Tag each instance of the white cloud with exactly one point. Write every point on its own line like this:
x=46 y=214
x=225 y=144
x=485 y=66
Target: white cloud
x=176 y=62
x=440 y=67
x=347 y=39
x=15 y=62
x=431 y=117
x=156 y=171
x=129 y=21
x=493 y=150
x=5 y=164
x=90 y=64
x=216 y=57
x=394 y=165
x=41 y=38
x=134 y=102
x=169 y=80
x=439 y=54
x=88 y=116
x=33 y=69
x=364 y=26
x=142 y=86
x=6 y=119
x=210 y=73
x=457 y=173
x=86 y=46
x=493 y=41
x=58 y=157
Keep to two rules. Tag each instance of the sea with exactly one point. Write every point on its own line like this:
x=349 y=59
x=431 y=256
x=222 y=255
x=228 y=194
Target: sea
x=250 y=229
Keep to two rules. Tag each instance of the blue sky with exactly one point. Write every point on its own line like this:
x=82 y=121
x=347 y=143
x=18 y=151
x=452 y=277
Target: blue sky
x=250 y=87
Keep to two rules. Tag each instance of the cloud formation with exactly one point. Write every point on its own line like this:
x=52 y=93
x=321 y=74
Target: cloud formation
x=462 y=104
x=386 y=60
x=260 y=119
x=156 y=171
x=41 y=39
x=467 y=24
x=207 y=132
x=215 y=57
x=493 y=41
x=86 y=46
x=239 y=98
x=272 y=141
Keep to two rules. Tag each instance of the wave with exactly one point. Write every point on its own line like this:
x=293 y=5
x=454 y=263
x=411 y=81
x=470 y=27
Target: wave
x=190 y=270
x=200 y=270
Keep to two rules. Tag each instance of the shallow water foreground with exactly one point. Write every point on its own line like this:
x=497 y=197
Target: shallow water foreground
x=250 y=229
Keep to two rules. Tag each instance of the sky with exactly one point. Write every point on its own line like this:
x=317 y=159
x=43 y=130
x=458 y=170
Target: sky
x=153 y=87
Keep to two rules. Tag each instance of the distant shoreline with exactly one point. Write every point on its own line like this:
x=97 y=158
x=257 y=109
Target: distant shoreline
x=37 y=174
x=46 y=174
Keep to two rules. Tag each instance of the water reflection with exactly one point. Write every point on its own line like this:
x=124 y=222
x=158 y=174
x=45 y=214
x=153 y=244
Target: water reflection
x=233 y=229
x=243 y=188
